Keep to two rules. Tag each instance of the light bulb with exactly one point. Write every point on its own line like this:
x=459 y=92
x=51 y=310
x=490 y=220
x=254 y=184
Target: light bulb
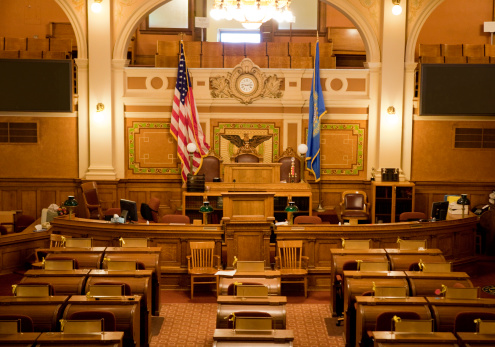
x=302 y=148
x=396 y=10
x=96 y=7
x=191 y=147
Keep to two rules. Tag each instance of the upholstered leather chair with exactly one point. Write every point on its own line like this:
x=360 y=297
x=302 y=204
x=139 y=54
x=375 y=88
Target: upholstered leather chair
x=354 y=206
x=286 y=161
x=154 y=205
x=211 y=167
x=22 y=222
x=247 y=158
x=307 y=220
x=411 y=216
x=92 y=203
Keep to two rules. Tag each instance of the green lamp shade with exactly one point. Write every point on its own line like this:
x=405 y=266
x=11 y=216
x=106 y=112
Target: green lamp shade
x=291 y=207
x=206 y=208
x=71 y=201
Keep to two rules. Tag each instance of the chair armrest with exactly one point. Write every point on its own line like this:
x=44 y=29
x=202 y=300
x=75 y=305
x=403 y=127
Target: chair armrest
x=188 y=257
x=277 y=262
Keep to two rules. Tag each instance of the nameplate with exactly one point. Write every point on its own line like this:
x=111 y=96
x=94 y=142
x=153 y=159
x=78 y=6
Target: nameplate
x=297 y=228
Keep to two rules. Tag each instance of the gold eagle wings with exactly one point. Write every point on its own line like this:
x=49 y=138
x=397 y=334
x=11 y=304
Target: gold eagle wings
x=246 y=144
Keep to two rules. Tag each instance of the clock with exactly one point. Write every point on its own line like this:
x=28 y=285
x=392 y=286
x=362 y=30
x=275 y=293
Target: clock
x=246 y=84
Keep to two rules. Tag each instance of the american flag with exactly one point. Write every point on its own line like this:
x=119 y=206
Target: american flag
x=185 y=121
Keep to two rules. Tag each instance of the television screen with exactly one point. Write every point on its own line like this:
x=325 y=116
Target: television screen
x=128 y=210
x=457 y=89
x=31 y=85
x=439 y=210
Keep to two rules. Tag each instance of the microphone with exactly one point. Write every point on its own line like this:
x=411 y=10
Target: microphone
x=234 y=183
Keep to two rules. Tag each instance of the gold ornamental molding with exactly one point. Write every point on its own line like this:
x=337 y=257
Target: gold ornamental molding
x=246 y=83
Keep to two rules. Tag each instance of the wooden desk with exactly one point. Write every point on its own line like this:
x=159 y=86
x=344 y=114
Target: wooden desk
x=45 y=311
x=269 y=278
x=64 y=282
x=252 y=173
x=274 y=305
x=474 y=339
x=108 y=338
x=19 y=339
x=150 y=257
x=140 y=283
x=437 y=339
x=425 y=283
x=358 y=282
x=369 y=307
x=126 y=310
x=445 y=310
x=87 y=258
x=173 y=240
x=338 y=258
x=401 y=260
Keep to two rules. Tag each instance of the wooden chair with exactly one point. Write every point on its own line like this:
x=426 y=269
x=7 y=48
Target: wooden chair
x=56 y=240
x=202 y=264
x=257 y=53
x=291 y=263
x=211 y=167
x=233 y=54
x=7 y=219
x=278 y=55
x=354 y=206
x=453 y=54
x=92 y=202
x=212 y=55
x=192 y=50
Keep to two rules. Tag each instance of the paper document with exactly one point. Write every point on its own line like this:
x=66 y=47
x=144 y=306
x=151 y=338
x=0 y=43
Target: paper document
x=226 y=272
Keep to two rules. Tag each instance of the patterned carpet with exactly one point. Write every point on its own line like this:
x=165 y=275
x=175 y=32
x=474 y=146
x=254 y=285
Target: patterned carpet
x=193 y=325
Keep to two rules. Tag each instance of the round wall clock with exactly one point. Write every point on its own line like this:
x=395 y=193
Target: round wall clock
x=246 y=84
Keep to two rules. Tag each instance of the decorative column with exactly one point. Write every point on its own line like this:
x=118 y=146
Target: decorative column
x=392 y=86
x=118 y=66
x=101 y=129
x=82 y=115
x=409 y=83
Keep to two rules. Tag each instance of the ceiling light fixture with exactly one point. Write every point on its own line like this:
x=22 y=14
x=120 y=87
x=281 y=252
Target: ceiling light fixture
x=252 y=13
x=96 y=6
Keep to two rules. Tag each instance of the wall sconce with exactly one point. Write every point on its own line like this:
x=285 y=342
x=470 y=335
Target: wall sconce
x=96 y=6
x=100 y=107
x=391 y=110
x=396 y=10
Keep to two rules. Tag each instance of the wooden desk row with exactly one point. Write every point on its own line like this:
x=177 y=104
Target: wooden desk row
x=96 y=258
x=399 y=260
x=49 y=339
x=47 y=311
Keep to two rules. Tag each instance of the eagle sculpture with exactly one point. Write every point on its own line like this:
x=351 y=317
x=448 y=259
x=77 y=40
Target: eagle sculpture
x=246 y=145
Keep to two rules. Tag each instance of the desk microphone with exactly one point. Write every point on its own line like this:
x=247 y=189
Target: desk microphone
x=234 y=183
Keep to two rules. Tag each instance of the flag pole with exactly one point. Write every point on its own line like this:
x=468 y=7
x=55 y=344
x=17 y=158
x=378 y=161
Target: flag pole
x=320 y=195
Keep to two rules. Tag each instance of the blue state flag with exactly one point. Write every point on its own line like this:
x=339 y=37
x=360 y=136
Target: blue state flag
x=316 y=111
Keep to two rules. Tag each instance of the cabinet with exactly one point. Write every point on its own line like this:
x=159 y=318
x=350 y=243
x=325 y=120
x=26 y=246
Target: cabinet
x=390 y=199
x=300 y=193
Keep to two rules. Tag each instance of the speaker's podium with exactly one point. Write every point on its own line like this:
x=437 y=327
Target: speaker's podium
x=247 y=218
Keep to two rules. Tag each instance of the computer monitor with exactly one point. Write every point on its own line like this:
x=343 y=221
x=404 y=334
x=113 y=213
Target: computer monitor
x=128 y=210
x=439 y=210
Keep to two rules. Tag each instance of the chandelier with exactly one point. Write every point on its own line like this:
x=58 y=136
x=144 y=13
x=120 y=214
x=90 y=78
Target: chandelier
x=252 y=13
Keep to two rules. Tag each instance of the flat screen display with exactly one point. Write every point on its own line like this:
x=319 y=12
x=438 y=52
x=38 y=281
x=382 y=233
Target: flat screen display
x=31 y=85
x=457 y=89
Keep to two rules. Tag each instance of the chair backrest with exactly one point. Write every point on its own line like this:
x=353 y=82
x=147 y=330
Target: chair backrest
x=285 y=168
x=411 y=216
x=57 y=240
x=3 y=230
x=307 y=220
x=202 y=254
x=464 y=321
x=211 y=167
x=91 y=200
x=247 y=158
x=290 y=254
x=175 y=218
x=384 y=319
x=27 y=325
x=354 y=200
x=109 y=320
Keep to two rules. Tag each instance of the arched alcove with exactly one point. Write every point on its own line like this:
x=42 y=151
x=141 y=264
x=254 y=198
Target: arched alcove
x=357 y=18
